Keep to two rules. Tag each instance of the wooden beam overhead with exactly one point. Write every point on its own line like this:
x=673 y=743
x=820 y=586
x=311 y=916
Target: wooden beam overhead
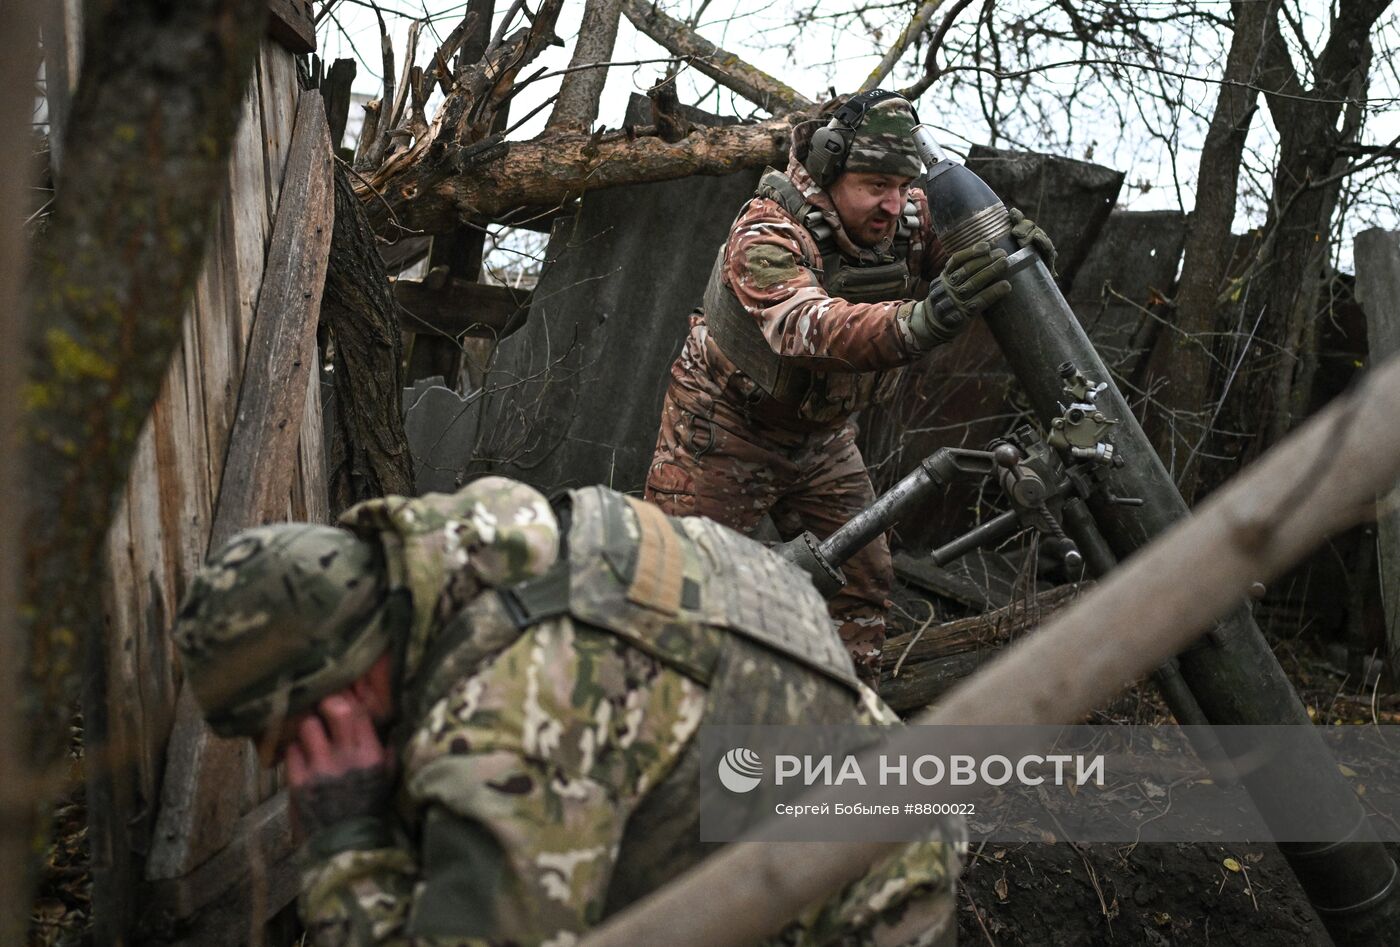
x=444 y=305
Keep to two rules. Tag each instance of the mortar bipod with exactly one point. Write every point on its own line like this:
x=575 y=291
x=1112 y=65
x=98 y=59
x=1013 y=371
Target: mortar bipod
x=1037 y=475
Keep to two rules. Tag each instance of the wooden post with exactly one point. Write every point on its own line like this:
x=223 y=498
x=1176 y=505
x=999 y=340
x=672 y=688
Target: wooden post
x=200 y=790
x=447 y=307
x=437 y=349
x=1377 y=255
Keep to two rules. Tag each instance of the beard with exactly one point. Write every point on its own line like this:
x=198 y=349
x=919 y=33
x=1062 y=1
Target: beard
x=871 y=231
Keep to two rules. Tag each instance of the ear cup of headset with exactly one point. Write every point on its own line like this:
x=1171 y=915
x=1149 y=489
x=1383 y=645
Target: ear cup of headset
x=827 y=153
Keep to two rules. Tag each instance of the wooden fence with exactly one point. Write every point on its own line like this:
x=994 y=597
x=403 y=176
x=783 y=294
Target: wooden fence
x=180 y=820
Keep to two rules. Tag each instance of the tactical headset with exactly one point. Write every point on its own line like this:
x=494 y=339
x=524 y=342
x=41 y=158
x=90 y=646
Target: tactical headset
x=826 y=157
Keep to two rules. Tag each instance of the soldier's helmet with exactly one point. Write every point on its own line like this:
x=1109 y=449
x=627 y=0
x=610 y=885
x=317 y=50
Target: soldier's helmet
x=279 y=618
x=884 y=140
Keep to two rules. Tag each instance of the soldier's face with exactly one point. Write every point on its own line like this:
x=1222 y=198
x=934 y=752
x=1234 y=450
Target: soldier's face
x=869 y=204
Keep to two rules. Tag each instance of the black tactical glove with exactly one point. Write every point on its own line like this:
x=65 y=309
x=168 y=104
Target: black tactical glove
x=971 y=281
x=1027 y=234
x=345 y=812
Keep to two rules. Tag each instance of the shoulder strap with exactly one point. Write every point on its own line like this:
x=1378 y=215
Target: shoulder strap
x=456 y=653
x=777 y=186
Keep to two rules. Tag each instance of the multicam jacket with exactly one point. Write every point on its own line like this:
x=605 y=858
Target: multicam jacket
x=540 y=751
x=775 y=268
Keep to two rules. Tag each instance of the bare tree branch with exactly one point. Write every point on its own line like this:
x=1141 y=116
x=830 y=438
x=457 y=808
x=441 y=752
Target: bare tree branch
x=577 y=106
x=931 y=70
x=724 y=67
x=901 y=44
x=1186 y=360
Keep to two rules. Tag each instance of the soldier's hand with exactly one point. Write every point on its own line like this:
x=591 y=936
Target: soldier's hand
x=972 y=280
x=337 y=767
x=1026 y=234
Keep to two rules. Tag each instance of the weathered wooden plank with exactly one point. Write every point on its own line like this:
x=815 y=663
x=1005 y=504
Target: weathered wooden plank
x=158 y=676
x=198 y=512
x=281 y=354
x=148 y=560
x=110 y=726
x=312 y=449
x=208 y=781
x=277 y=97
x=196 y=815
x=293 y=24
x=62 y=35
x=263 y=840
x=443 y=305
x=1378 y=290
x=251 y=227
x=216 y=318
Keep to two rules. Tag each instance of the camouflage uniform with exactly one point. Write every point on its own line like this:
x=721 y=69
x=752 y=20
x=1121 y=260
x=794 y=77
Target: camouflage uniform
x=729 y=450
x=542 y=756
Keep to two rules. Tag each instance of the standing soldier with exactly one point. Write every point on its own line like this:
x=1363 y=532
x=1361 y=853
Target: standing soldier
x=829 y=282
x=489 y=720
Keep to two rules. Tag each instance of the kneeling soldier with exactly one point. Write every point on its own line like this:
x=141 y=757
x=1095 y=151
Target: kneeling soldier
x=486 y=705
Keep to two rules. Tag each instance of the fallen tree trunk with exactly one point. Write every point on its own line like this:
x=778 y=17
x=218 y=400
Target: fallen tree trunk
x=706 y=58
x=435 y=195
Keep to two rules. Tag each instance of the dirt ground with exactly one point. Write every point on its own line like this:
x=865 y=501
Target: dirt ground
x=1158 y=894
x=1047 y=895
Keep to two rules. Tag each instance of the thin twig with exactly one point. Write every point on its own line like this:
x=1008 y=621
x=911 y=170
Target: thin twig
x=901 y=44
x=501 y=30
x=393 y=217
x=978 y=914
x=932 y=613
x=532 y=113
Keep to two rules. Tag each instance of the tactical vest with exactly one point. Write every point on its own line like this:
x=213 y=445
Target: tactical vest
x=817 y=395
x=700 y=599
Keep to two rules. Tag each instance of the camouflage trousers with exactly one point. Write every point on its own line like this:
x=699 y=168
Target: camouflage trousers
x=816 y=482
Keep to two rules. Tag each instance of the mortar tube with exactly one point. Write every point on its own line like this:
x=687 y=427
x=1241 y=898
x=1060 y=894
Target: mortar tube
x=1232 y=673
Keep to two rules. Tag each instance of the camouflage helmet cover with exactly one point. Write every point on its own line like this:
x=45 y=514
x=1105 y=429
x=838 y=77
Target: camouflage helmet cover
x=279 y=618
x=883 y=141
